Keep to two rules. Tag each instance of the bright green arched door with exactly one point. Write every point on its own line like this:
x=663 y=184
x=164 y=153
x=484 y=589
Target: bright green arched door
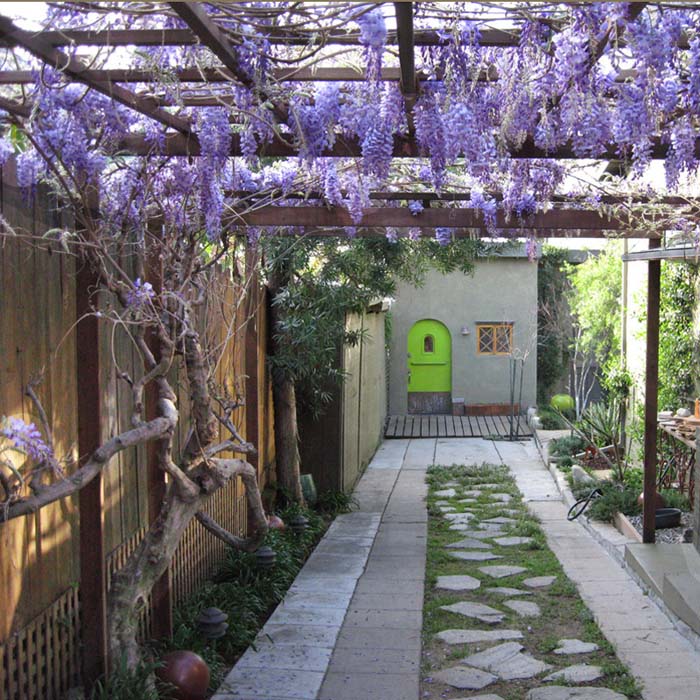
x=429 y=368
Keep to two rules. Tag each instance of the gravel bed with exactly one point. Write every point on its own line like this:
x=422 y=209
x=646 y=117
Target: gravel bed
x=670 y=535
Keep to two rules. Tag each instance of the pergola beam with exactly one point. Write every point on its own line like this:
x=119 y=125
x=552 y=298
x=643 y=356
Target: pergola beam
x=401 y=217
x=489 y=37
x=211 y=37
x=275 y=36
x=214 y=39
x=75 y=70
x=407 y=60
x=404 y=147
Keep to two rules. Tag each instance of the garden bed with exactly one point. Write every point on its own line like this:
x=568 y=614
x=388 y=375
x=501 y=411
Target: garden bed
x=670 y=535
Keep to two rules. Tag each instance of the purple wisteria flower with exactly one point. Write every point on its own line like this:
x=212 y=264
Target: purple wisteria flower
x=414 y=233
x=373 y=37
x=443 y=235
x=415 y=206
x=141 y=293
x=26 y=438
x=392 y=235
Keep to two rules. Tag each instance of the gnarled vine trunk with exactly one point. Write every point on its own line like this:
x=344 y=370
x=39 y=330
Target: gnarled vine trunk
x=132 y=584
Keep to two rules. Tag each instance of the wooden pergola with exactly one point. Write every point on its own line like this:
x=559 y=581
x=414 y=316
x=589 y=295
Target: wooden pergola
x=568 y=216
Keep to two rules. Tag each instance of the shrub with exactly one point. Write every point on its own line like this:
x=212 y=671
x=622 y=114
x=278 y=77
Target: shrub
x=129 y=684
x=562 y=402
x=567 y=446
x=616 y=498
x=551 y=420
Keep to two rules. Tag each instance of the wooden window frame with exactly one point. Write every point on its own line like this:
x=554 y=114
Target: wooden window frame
x=432 y=341
x=494 y=327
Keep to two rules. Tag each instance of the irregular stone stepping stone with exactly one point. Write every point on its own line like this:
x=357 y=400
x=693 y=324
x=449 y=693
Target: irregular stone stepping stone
x=512 y=541
x=539 y=581
x=458 y=583
x=575 y=646
x=580 y=673
x=480 y=534
x=474 y=493
x=465 y=678
x=560 y=692
x=446 y=493
x=493 y=528
x=524 y=608
x=442 y=503
x=464 y=527
x=500 y=520
x=447 y=509
x=507 y=591
x=459 y=517
x=475 y=556
x=451 y=483
x=467 y=500
x=472 y=636
x=479 y=611
x=507 y=661
x=470 y=543
x=501 y=570
x=502 y=497
x=490 y=696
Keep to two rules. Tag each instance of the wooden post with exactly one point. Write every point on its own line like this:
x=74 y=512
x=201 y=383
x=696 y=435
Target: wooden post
x=252 y=398
x=93 y=572
x=161 y=595
x=651 y=396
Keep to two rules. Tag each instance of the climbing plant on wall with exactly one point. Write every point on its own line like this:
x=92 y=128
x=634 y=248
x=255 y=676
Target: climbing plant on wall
x=678 y=344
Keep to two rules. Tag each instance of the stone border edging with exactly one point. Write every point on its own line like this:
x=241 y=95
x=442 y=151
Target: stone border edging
x=292 y=651
x=598 y=532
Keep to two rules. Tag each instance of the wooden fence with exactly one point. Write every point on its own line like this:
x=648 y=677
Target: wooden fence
x=46 y=588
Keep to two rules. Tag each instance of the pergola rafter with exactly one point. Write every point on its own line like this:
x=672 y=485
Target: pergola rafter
x=75 y=70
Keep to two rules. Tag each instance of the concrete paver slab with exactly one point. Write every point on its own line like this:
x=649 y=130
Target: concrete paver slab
x=369 y=686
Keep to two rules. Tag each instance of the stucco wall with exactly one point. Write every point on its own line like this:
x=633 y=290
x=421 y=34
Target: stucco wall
x=500 y=290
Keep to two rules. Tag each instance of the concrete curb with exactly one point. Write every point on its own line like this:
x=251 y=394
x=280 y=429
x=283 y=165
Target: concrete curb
x=600 y=532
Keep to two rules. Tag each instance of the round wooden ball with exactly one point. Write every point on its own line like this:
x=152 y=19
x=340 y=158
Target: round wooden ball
x=274 y=522
x=660 y=500
x=187 y=673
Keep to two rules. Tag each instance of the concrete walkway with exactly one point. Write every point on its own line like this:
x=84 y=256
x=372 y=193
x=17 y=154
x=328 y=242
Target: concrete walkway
x=644 y=638
x=350 y=626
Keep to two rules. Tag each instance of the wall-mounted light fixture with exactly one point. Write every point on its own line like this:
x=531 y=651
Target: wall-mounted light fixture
x=465 y=331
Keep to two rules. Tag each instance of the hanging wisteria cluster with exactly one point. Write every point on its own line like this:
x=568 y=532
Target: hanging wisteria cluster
x=592 y=80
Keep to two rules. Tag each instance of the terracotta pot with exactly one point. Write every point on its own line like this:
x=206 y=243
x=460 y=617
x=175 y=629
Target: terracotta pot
x=187 y=672
x=660 y=501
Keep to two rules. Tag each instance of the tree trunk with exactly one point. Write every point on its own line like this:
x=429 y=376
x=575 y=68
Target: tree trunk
x=285 y=403
x=287 y=436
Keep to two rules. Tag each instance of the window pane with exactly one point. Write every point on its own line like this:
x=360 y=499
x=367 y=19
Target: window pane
x=503 y=339
x=428 y=344
x=486 y=339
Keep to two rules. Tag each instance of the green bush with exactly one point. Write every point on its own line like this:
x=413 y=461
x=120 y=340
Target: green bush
x=334 y=503
x=245 y=593
x=562 y=402
x=616 y=498
x=567 y=446
x=551 y=420
x=129 y=684
x=676 y=499
x=634 y=479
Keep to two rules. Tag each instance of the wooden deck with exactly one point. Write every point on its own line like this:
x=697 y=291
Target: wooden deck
x=452 y=426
